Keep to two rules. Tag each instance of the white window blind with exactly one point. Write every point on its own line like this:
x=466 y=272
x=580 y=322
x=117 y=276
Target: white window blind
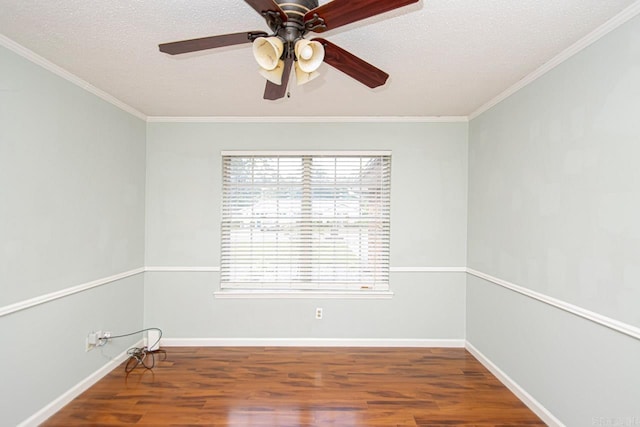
x=306 y=221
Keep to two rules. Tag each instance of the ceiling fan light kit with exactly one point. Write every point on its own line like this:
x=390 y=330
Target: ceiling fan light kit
x=267 y=51
x=308 y=58
x=274 y=75
x=303 y=77
x=309 y=55
x=290 y=21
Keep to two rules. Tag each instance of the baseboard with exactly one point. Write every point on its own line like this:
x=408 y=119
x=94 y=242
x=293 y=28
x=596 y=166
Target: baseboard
x=57 y=404
x=309 y=342
x=53 y=407
x=542 y=412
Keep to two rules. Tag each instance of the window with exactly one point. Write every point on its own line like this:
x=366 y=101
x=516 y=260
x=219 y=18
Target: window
x=303 y=221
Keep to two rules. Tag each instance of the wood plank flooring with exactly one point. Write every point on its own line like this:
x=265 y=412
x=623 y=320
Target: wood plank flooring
x=282 y=386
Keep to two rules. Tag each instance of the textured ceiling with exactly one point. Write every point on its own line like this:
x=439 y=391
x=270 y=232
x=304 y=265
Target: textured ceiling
x=445 y=57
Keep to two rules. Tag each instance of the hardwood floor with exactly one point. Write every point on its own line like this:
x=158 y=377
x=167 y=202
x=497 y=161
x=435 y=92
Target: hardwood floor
x=216 y=386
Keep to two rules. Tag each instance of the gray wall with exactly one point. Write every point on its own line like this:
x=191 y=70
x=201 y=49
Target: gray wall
x=71 y=212
x=554 y=206
x=428 y=222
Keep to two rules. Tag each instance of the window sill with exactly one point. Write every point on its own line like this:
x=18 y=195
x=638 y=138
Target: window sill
x=297 y=294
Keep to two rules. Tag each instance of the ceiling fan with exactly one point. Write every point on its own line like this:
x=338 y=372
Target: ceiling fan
x=290 y=21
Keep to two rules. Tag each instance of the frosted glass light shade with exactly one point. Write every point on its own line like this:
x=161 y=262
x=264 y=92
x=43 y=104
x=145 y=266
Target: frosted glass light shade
x=274 y=75
x=310 y=55
x=267 y=51
x=302 y=77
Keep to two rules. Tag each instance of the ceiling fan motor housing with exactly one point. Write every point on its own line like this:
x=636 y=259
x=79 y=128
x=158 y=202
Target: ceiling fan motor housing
x=296 y=9
x=294 y=28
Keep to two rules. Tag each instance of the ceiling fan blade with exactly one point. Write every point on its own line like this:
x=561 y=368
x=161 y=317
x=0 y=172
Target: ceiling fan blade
x=262 y=6
x=204 y=43
x=273 y=91
x=337 y=13
x=353 y=66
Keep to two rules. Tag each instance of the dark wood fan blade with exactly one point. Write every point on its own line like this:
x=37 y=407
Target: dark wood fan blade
x=262 y=6
x=273 y=91
x=204 y=43
x=353 y=66
x=337 y=13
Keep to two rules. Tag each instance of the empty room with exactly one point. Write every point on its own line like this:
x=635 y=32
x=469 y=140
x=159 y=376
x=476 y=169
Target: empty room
x=320 y=213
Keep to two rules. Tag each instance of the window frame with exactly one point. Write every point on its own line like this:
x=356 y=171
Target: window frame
x=379 y=291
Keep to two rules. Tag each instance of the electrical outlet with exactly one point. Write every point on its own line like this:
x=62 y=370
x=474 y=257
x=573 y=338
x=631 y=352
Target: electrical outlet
x=103 y=338
x=91 y=341
x=96 y=339
x=318 y=313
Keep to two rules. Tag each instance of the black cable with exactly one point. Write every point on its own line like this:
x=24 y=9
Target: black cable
x=138 y=355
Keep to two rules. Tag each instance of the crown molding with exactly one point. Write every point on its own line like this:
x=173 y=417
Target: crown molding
x=578 y=46
x=310 y=119
x=598 y=33
x=61 y=72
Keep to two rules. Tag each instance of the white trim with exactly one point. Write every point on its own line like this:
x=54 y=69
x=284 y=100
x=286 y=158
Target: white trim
x=515 y=388
x=391 y=269
x=61 y=72
x=622 y=327
x=299 y=294
x=32 y=302
x=284 y=153
x=428 y=269
x=578 y=46
x=182 y=269
x=310 y=119
x=310 y=342
x=75 y=391
x=616 y=325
